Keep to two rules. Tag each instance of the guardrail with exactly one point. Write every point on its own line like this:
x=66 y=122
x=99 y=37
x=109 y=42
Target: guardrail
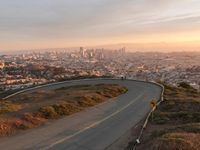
x=138 y=140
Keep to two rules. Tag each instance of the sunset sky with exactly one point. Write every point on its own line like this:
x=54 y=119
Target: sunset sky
x=26 y=24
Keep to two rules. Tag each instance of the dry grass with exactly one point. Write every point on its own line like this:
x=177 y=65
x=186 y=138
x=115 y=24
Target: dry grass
x=6 y=106
x=177 y=141
x=179 y=106
x=26 y=111
x=176 y=122
x=98 y=95
x=58 y=110
x=6 y=128
x=9 y=127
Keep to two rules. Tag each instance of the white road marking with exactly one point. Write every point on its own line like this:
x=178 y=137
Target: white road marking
x=92 y=125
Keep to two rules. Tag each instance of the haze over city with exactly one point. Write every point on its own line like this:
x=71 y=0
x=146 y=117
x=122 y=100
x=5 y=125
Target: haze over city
x=99 y=74
x=139 y=25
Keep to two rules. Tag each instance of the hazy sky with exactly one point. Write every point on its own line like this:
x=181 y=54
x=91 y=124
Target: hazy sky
x=62 y=23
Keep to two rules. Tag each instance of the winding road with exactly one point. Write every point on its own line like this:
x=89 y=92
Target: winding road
x=93 y=129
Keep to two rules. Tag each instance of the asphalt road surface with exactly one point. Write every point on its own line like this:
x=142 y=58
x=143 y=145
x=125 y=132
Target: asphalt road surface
x=93 y=129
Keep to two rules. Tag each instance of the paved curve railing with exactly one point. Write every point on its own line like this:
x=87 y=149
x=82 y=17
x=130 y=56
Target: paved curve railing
x=138 y=140
x=146 y=120
x=56 y=83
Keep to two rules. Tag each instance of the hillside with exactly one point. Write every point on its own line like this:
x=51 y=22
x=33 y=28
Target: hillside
x=175 y=125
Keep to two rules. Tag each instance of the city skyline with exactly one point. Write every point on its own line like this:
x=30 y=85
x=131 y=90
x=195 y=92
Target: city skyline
x=146 y=24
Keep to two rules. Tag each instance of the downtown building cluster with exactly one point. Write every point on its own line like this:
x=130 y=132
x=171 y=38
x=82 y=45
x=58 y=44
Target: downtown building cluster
x=34 y=68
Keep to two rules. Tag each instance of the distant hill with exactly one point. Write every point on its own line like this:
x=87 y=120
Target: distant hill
x=134 y=47
x=161 y=46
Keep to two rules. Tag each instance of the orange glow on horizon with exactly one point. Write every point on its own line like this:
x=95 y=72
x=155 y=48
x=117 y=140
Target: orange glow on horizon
x=186 y=40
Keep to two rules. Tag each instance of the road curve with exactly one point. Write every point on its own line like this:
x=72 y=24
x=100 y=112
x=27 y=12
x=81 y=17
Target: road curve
x=93 y=129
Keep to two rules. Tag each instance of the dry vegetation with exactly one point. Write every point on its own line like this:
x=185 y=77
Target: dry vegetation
x=31 y=110
x=176 y=122
x=7 y=106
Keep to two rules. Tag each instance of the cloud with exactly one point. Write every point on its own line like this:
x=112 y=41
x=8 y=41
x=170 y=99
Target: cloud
x=22 y=20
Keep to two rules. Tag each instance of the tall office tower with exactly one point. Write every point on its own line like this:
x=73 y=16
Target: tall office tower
x=82 y=52
x=124 y=50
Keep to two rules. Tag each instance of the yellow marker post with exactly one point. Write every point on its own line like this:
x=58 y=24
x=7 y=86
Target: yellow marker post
x=153 y=105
